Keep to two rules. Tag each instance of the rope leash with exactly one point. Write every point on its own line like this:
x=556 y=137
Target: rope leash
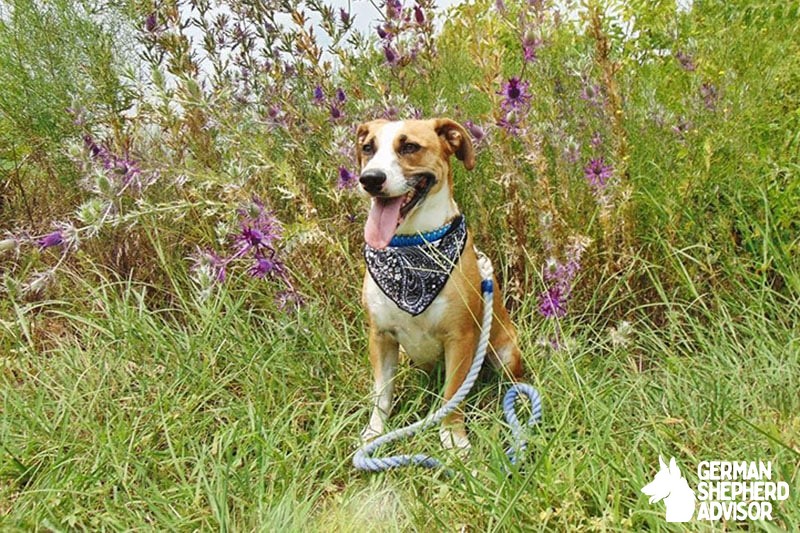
x=363 y=459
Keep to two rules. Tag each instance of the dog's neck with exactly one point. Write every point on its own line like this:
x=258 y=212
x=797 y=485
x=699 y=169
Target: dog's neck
x=434 y=212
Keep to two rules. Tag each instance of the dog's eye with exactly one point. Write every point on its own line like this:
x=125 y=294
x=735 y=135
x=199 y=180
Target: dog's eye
x=367 y=149
x=409 y=148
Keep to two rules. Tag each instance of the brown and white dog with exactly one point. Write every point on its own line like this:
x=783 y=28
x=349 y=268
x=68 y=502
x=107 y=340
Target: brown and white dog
x=405 y=169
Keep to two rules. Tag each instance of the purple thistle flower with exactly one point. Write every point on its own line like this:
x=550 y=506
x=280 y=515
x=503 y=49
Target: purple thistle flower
x=336 y=113
x=253 y=238
x=340 y=96
x=51 y=239
x=381 y=32
x=150 y=22
x=394 y=9
x=510 y=123
x=530 y=45
x=260 y=229
x=391 y=113
x=391 y=55
x=319 y=95
x=265 y=266
x=478 y=133
x=344 y=16
x=347 y=179
x=515 y=93
x=93 y=147
x=591 y=93
x=686 y=61
x=597 y=174
x=552 y=304
x=419 y=16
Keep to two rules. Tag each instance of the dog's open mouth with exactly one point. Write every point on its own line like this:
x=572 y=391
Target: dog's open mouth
x=387 y=213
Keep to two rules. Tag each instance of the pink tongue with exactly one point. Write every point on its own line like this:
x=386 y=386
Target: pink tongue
x=382 y=221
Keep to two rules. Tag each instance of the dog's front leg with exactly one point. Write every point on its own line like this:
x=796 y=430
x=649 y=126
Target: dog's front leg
x=383 y=350
x=458 y=354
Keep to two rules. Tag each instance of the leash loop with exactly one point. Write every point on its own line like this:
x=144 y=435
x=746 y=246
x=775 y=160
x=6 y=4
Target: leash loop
x=363 y=459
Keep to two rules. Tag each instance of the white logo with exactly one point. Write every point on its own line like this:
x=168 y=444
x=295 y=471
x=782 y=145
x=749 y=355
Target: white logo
x=727 y=490
x=670 y=485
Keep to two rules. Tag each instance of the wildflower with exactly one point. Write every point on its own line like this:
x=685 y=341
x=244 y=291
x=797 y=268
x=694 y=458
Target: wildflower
x=209 y=265
x=597 y=174
x=551 y=303
x=560 y=276
x=394 y=9
x=260 y=229
x=77 y=114
x=515 y=93
x=346 y=180
x=550 y=342
x=319 y=95
x=621 y=335
x=53 y=239
x=344 y=15
x=500 y=5
x=150 y=22
x=710 y=96
x=94 y=149
x=340 y=96
x=265 y=266
x=336 y=113
x=591 y=93
x=530 y=45
x=274 y=112
x=289 y=299
x=391 y=113
x=510 y=123
x=572 y=152
x=686 y=61
x=682 y=127
x=597 y=140
x=478 y=133
x=391 y=55
x=381 y=32
x=38 y=282
x=11 y=243
x=419 y=16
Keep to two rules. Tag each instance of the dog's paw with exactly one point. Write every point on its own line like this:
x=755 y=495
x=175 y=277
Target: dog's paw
x=456 y=440
x=370 y=433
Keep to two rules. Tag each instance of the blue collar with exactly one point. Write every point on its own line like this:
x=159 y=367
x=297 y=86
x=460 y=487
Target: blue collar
x=419 y=239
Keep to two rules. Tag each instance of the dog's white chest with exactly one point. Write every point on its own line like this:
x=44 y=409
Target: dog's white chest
x=414 y=333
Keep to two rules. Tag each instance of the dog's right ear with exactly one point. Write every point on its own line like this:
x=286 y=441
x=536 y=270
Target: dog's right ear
x=457 y=139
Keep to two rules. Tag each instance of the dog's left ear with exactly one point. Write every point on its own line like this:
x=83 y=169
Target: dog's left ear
x=457 y=138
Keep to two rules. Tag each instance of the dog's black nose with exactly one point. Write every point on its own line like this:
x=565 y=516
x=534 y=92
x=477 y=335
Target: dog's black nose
x=372 y=180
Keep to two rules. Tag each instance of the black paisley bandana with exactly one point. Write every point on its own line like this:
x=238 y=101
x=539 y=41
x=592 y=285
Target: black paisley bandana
x=412 y=276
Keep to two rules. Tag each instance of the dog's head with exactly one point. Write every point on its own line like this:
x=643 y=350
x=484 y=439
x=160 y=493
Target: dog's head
x=405 y=163
x=667 y=480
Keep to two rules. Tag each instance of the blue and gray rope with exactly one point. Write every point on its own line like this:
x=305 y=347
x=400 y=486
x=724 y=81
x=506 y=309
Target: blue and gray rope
x=363 y=459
